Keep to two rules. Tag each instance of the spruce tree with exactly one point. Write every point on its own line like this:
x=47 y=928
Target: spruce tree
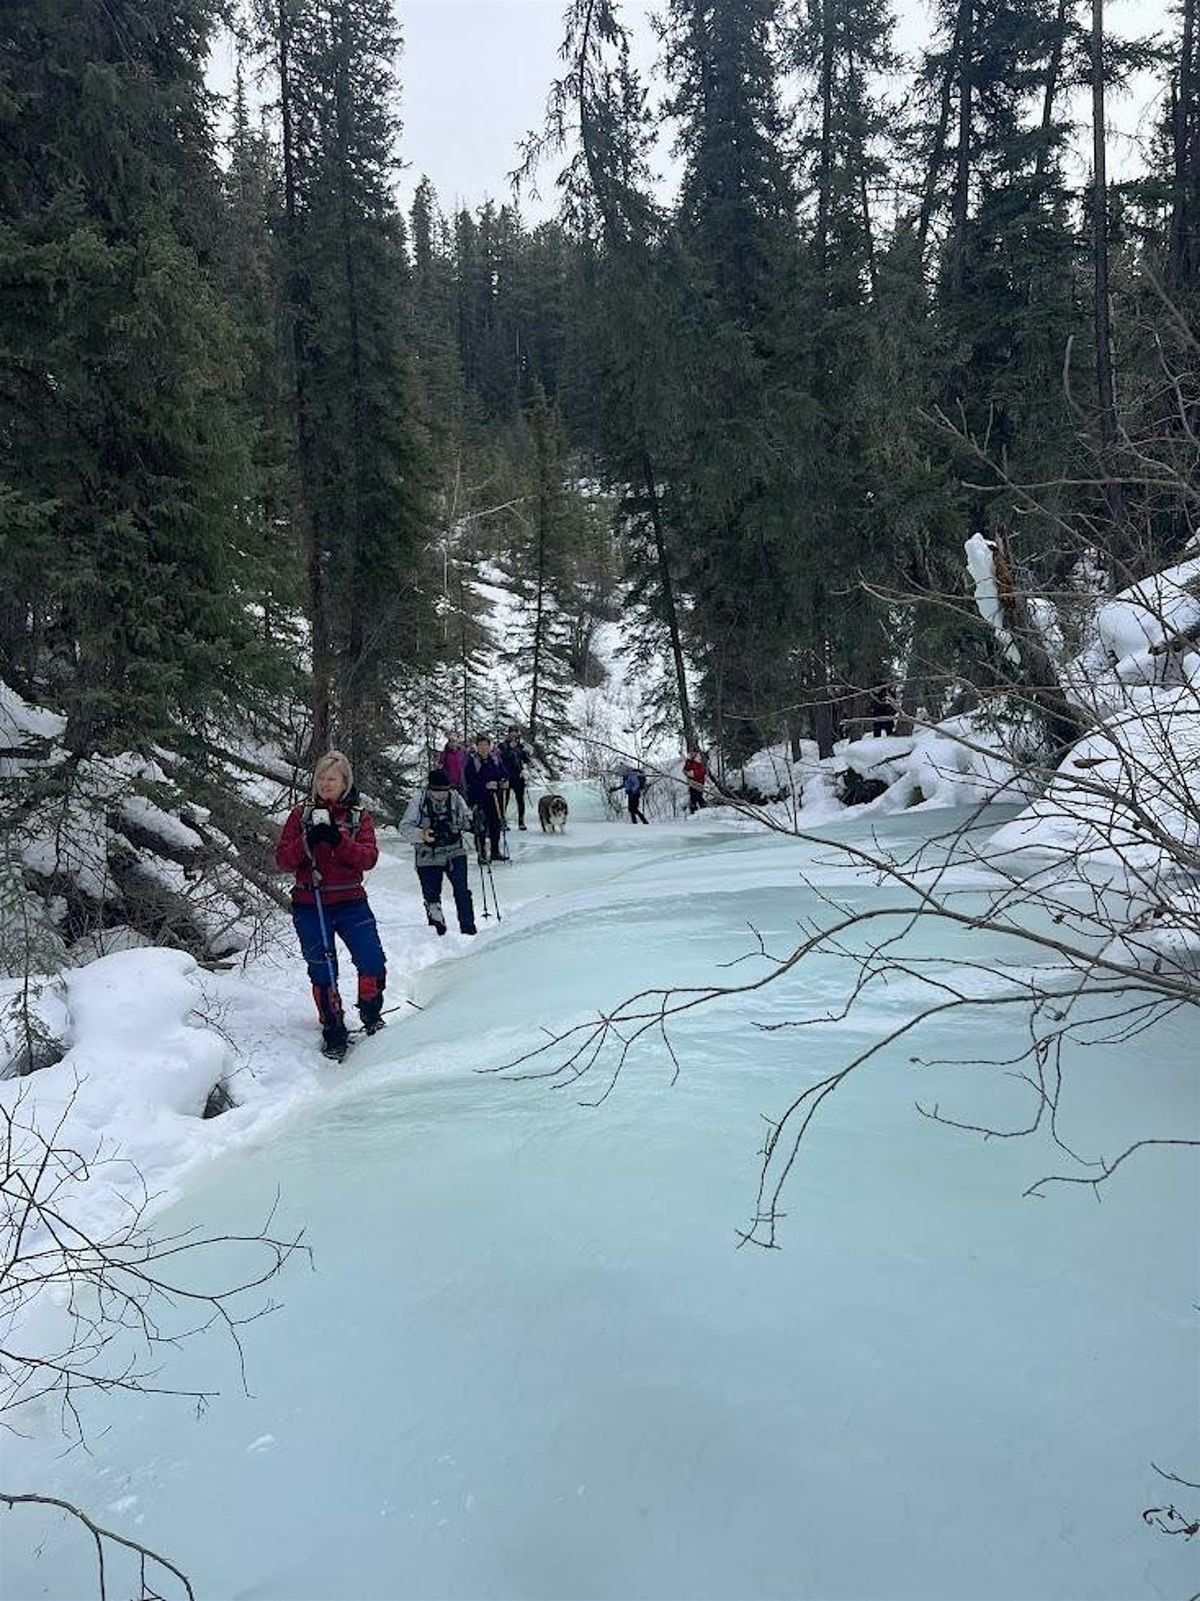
x=126 y=478
x=365 y=470
x=735 y=237
x=540 y=648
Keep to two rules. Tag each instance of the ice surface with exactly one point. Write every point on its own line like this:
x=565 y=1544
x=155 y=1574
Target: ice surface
x=532 y=1362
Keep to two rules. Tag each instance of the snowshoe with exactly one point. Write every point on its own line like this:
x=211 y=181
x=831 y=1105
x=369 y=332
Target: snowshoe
x=335 y=1049
x=375 y=1024
x=436 y=916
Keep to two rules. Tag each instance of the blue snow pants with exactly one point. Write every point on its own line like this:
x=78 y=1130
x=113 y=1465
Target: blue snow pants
x=456 y=871
x=353 y=922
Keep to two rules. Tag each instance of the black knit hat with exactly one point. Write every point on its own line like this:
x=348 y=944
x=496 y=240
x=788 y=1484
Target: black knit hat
x=439 y=778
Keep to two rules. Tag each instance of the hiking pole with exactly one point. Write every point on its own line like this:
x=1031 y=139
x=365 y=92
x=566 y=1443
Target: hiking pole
x=502 y=814
x=495 y=900
x=483 y=886
x=326 y=942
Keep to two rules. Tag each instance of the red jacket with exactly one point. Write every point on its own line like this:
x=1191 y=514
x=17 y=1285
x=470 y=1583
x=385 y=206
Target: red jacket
x=341 y=866
x=697 y=772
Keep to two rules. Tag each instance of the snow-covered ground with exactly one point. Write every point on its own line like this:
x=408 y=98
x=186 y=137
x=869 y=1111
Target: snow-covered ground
x=531 y=1360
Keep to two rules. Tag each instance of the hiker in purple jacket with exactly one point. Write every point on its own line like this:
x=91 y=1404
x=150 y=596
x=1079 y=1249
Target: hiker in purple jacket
x=454 y=760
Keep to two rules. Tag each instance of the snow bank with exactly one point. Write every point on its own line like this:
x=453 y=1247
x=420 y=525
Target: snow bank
x=1125 y=804
x=963 y=761
x=1122 y=812
x=129 y=1093
x=1128 y=648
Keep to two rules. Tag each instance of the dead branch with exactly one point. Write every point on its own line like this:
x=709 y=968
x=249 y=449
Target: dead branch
x=100 y=1534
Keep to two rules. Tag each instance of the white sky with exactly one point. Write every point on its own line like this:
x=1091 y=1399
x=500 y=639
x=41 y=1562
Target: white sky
x=475 y=75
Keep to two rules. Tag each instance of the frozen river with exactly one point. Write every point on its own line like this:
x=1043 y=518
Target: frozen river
x=531 y=1361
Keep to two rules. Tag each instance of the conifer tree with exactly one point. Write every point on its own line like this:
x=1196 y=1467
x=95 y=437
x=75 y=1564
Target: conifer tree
x=363 y=456
x=625 y=307
x=736 y=237
x=540 y=647
x=126 y=472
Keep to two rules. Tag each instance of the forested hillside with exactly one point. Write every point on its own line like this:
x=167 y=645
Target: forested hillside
x=259 y=430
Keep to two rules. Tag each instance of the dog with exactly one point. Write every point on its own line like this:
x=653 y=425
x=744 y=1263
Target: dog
x=552 y=814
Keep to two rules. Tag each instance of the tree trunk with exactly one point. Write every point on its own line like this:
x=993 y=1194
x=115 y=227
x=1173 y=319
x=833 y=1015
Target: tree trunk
x=823 y=725
x=1053 y=71
x=1064 y=721
x=962 y=176
x=668 y=593
x=1105 y=375
x=864 y=196
x=539 y=610
x=318 y=614
x=825 y=180
x=360 y=577
x=1183 y=254
x=928 y=199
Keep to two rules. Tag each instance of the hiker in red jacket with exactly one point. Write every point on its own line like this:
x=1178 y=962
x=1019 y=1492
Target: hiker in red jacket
x=695 y=770
x=329 y=844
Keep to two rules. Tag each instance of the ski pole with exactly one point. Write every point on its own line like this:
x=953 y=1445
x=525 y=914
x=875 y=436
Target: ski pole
x=329 y=957
x=495 y=899
x=483 y=888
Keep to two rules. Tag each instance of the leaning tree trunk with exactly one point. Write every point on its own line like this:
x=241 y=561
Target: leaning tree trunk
x=1038 y=680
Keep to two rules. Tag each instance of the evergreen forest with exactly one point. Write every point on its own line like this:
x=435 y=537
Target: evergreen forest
x=261 y=430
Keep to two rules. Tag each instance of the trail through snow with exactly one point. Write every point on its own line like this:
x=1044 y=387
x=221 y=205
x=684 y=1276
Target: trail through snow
x=531 y=1361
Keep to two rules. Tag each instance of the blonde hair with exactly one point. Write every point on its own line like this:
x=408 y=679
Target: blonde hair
x=334 y=758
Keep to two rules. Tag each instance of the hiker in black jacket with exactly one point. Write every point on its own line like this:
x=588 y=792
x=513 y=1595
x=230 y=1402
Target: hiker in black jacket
x=513 y=756
x=485 y=780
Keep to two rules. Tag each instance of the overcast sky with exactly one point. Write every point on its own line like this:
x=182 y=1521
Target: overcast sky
x=475 y=75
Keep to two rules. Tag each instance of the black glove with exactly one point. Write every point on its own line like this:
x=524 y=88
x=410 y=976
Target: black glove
x=322 y=834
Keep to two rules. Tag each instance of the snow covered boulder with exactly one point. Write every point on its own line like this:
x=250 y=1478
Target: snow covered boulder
x=133 y=1045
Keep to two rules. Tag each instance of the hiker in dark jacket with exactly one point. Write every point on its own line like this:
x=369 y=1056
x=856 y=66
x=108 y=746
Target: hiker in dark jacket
x=436 y=822
x=329 y=844
x=883 y=710
x=513 y=756
x=485 y=779
x=633 y=782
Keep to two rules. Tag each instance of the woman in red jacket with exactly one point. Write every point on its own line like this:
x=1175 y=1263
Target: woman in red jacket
x=329 y=844
x=696 y=772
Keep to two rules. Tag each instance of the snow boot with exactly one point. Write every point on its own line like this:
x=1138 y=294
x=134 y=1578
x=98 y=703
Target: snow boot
x=335 y=1041
x=436 y=916
x=370 y=1003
